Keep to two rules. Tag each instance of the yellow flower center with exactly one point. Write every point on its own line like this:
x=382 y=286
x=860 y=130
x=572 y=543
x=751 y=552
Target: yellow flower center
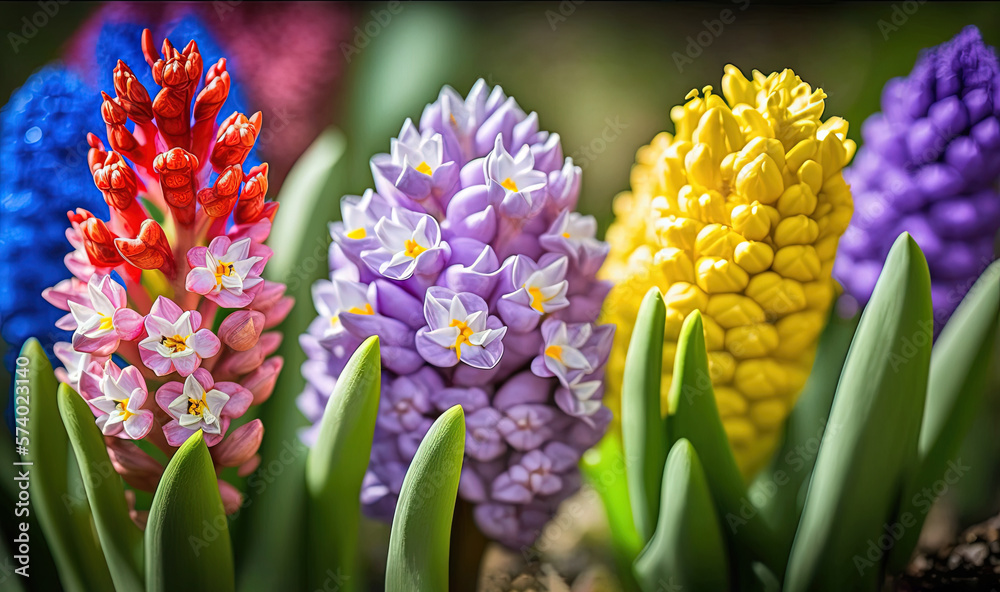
x=123 y=407
x=106 y=323
x=175 y=343
x=464 y=333
x=367 y=310
x=565 y=235
x=424 y=168
x=413 y=248
x=538 y=300
x=509 y=183
x=197 y=406
x=223 y=269
x=358 y=233
x=555 y=352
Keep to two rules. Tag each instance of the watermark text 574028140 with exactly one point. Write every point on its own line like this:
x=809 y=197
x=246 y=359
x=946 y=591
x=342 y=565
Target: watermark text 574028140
x=22 y=468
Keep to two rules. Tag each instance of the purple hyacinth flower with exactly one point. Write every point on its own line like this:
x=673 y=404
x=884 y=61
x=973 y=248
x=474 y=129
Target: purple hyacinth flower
x=469 y=263
x=930 y=165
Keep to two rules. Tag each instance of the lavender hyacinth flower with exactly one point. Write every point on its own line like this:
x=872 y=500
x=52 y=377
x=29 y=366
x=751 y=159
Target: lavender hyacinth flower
x=469 y=264
x=930 y=165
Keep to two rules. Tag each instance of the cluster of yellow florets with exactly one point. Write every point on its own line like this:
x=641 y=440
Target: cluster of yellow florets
x=738 y=215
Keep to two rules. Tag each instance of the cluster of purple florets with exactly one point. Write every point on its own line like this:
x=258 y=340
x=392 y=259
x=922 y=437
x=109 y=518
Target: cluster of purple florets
x=469 y=263
x=930 y=165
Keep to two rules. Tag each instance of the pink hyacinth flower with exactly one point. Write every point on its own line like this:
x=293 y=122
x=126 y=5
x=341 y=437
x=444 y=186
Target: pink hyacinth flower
x=227 y=272
x=104 y=319
x=174 y=342
x=117 y=397
x=200 y=403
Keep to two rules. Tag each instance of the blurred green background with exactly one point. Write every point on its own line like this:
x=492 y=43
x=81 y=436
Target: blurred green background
x=603 y=75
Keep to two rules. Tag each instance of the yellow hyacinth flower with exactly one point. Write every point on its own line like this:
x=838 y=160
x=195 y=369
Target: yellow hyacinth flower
x=738 y=215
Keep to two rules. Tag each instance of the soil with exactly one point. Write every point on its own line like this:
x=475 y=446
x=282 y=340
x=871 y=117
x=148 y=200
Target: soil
x=971 y=563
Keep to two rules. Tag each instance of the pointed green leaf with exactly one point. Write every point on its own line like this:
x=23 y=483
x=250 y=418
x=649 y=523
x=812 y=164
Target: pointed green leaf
x=187 y=534
x=604 y=468
x=694 y=416
x=421 y=526
x=78 y=557
x=959 y=372
x=336 y=466
x=120 y=538
x=687 y=551
x=870 y=443
x=782 y=484
x=644 y=434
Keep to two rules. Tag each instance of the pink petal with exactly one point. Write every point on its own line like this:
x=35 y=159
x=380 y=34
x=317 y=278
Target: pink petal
x=204 y=378
x=128 y=323
x=158 y=364
x=200 y=281
x=196 y=256
x=239 y=399
x=105 y=345
x=175 y=434
x=219 y=246
x=166 y=394
x=279 y=311
x=66 y=323
x=114 y=291
x=131 y=380
x=139 y=424
x=166 y=309
x=185 y=365
x=227 y=299
x=205 y=343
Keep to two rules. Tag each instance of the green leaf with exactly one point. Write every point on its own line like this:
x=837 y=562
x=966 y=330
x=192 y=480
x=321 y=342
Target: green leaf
x=336 y=466
x=694 y=416
x=187 y=534
x=77 y=555
x=870 y=443
x=604 y=468
x=644 y=433
x=959 y=372
x=782 y=485
x=271 y=554
x=421 y=526
x=120 y=538
x=687 y=551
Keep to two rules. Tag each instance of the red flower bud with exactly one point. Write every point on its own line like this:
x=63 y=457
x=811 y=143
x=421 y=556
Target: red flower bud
x=149 y=250
x=120 y=138
x=236 y=137
x=117 y=181
x=132 y=94
x=97 y=153
x=251 y=203
x=177 y=168
x=98 y=241
x=218 y=201
x=241 y=329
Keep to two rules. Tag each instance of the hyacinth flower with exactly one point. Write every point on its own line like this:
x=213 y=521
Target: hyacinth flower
x=737 y=215
x=470 y=265
x=180 y=254
x=43 y=139
x=929 y=165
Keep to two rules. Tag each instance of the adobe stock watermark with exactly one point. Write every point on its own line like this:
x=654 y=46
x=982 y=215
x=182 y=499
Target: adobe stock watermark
x=712 y=30
x=892 y=533
x=588 y=153
x=363 y=36
x=30 y=25
x=901 y=13
x=566 y=10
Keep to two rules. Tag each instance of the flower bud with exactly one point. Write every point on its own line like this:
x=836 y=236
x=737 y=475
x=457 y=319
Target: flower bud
x=239 y=446
x=241 y=329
